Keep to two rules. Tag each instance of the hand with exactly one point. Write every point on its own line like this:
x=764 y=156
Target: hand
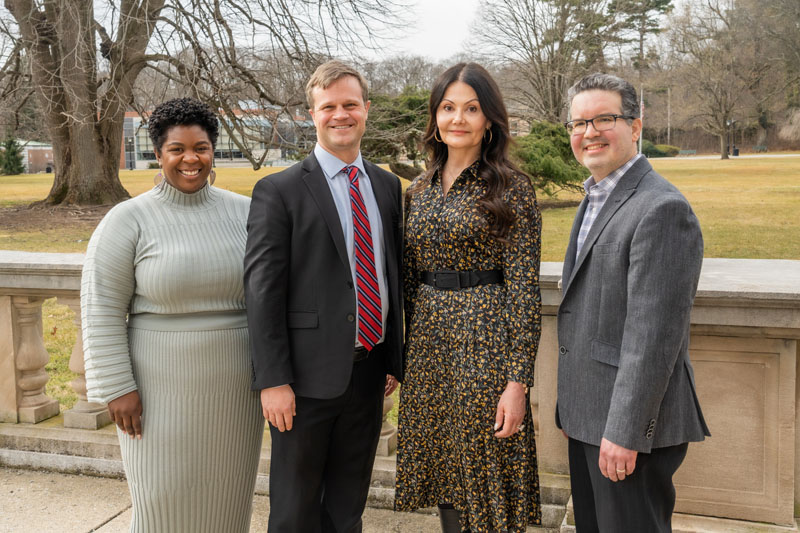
x=510 y=410
x=615 y=461
x=391 y=385
x=126 y=413
x=277 y=404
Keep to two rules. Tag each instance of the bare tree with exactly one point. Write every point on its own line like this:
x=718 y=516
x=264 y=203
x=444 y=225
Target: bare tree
x=729 y=68
x=82 y=58
x=545 y=45
x=394 y=75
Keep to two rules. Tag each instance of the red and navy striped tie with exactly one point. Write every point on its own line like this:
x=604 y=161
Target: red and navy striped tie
x=370 y=318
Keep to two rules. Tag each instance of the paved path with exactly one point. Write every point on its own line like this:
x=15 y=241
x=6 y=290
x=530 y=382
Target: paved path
x=48 y=502
x=735 y=157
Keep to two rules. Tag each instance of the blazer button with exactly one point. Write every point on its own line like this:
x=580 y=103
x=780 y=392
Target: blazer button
x=351 y=317
x=562 y=350
x=350 y=284
x=649 y=434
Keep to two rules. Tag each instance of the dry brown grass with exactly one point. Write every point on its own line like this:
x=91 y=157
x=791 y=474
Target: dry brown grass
x=748 y=208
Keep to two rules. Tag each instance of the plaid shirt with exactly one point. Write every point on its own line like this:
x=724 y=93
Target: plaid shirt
x=598 y=193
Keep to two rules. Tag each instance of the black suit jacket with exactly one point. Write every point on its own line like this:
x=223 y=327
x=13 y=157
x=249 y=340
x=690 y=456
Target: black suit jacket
x=301 y=304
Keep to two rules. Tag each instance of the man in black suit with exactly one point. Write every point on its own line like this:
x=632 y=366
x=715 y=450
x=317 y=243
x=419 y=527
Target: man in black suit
x=323 y=290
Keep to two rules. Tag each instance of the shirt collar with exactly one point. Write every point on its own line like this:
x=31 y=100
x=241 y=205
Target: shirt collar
x=332 y=165
x=609 y=182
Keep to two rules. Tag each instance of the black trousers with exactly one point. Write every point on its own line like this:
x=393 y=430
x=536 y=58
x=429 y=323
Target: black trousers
x=320 y=470
x=642 y=502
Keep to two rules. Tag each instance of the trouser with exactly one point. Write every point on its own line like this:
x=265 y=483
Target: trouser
x=643 y=501
x=320 y=470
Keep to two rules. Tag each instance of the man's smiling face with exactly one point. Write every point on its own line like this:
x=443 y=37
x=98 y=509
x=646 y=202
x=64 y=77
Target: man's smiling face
x=602 y=152
x=340 y=116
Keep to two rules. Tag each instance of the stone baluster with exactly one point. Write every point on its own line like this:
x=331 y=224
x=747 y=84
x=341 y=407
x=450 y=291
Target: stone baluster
x=8 y=367
x=85 y=414
x=388 y=439
x=31 y=357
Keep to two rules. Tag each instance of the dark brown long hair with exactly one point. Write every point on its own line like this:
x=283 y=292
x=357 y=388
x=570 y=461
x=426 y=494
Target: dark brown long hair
x=495 y=167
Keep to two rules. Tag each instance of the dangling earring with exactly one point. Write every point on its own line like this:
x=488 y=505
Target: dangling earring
x=158 y=177
x=212 y=177
x=490 y=135
x=438 y=139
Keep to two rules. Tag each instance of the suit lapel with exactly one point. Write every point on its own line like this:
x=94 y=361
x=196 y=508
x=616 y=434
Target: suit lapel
x=321 y=192
x=621 y=193
x=569 y=258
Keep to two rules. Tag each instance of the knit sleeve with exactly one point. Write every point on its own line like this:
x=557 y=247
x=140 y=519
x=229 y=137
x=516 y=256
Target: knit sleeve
x=107 y=286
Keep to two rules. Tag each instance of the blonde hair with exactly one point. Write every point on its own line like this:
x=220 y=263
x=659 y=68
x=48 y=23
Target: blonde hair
x=329 y=72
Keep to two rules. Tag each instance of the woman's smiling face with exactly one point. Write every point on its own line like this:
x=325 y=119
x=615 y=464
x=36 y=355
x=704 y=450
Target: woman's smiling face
x=460 y=120
x=186 y=157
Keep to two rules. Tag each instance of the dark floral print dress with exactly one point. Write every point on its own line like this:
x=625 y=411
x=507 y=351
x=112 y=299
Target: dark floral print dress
x=463 y=347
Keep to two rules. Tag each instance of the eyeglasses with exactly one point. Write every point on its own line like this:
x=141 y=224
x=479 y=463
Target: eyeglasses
x=600 y=123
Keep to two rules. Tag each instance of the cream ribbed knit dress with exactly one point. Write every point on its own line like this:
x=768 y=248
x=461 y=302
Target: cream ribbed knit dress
x=173 y=263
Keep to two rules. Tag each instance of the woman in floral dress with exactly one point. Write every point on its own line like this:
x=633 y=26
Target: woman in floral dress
x=473 y=318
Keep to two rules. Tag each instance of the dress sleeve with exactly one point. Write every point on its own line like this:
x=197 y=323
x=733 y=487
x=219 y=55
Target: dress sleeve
x=523 y=308
x=410 y=268
x=107 y=287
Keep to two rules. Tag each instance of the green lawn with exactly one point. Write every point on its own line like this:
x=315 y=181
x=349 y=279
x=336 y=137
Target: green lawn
x=748 y=208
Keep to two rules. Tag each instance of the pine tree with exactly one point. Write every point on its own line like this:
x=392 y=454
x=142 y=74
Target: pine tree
x=11 y=158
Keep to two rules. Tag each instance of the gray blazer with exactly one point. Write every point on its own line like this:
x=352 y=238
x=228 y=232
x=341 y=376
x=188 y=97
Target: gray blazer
x=623 y=323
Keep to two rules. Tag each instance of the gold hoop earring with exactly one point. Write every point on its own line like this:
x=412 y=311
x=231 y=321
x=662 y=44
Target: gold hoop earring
x=212 y=177
x=490 y=135
x=438 y=139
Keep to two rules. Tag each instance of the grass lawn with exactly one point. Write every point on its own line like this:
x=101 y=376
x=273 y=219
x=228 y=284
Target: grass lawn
x=748 y=208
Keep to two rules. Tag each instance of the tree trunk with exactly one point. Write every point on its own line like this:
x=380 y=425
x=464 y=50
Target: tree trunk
x=761 y=136
x=72 y=187
x=723 y=145
x=86 y=131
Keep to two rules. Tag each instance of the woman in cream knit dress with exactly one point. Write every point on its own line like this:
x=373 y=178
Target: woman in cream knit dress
x=165 y=336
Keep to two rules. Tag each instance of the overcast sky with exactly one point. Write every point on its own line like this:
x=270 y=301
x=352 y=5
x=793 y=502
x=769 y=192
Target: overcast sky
x=437 y=29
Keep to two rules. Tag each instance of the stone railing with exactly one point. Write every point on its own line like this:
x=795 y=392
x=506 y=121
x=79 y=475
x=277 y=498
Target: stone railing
x=744 y=348
x=26 y=280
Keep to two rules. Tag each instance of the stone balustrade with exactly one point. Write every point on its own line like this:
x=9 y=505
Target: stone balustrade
x=26 y=280
x=744 y=347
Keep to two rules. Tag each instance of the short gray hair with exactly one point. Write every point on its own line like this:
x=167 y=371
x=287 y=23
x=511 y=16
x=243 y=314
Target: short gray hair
x=608 y=82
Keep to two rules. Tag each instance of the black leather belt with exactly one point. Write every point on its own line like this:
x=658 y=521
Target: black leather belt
x=453 y=279
x=360 y=353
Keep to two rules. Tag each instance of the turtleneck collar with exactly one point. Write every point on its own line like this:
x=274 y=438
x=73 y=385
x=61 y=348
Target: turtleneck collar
x=205 y=197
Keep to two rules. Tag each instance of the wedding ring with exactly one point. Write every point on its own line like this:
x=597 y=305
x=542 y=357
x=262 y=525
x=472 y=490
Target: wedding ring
x=621 y=471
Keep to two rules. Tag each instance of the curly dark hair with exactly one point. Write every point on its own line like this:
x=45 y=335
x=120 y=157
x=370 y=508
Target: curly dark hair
x=495 y=167
x=181 y=112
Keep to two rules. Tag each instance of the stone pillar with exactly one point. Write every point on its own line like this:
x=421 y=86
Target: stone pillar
x=85 y=414
x=8 y=370
x=388 y=440
x=31 y=357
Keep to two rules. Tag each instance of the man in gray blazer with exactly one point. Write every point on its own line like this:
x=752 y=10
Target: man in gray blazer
x=626 y=396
